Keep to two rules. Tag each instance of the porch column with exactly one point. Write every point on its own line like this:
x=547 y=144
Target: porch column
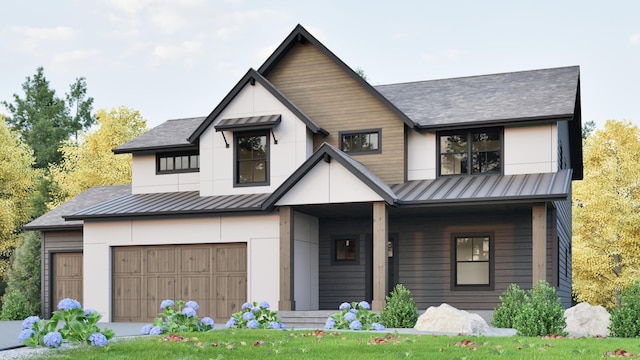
x=380 y=239
x=539 y=240
x=286 y=302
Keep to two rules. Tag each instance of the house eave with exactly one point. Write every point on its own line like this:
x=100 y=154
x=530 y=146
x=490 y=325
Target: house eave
x=502 y=122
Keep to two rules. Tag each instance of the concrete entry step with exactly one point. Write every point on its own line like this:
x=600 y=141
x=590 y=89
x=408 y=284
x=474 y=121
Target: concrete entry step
x=305 y=319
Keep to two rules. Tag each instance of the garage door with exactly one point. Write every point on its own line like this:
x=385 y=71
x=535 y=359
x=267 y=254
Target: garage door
x=67 y=277
x=214 y=275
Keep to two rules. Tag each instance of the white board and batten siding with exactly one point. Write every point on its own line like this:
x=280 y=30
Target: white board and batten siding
x=261 y=239
x=295 y=144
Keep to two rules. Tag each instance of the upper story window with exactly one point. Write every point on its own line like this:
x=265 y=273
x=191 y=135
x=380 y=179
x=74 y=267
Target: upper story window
x=177 y=162
x=251 y=158
x=360 y=141
x=470 y=152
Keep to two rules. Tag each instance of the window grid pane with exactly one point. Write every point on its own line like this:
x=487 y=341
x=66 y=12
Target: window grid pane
x=361 y=142
x=472 y=260
x=252 y=165
x=471 y=152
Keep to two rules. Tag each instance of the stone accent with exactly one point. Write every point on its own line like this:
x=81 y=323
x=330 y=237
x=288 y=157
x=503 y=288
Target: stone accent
x=447 y=319
x=587 y=320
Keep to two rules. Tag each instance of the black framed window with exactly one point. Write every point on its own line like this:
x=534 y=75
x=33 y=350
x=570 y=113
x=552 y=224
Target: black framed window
x=472 y=261
x=251 y=158
x=177 y=162
x=361 y=141
x=345 y=250
x=470 y=152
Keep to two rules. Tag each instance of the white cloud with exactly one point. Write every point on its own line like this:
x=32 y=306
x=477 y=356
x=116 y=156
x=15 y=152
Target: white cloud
x=263 y=53
x=188 y=51
x=74 y=56
x=447 y=54
x=130 y=7
x=32 y=38
x=451 y=54
x=634 y=39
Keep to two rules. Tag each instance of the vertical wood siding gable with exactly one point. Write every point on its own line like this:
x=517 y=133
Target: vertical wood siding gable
x=329 y=96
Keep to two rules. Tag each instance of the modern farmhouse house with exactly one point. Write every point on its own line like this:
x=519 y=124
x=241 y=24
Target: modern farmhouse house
x=307 y=187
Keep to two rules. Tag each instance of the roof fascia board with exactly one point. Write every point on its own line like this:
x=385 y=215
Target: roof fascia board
x=483 y=201
x=324 y=150
x=575 y=139
x=163 y=214
x=300 y=34
x=70 y=227
x=155 y=149
x=501 y=122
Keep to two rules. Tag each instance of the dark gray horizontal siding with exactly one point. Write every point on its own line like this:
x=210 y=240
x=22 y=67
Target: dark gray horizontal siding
x=564 y=251
x=55 y=241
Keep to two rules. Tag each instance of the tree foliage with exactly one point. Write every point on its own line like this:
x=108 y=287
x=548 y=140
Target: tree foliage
x=17 y=181
x=90 y=161
x=24 y=274
x=606 y=213
x=43 y=120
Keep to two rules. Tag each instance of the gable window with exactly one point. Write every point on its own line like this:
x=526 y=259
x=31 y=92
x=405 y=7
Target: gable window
x=472 y=254
x=177 y=162
x=360 y=142
x=252 y=158
x=470 y=152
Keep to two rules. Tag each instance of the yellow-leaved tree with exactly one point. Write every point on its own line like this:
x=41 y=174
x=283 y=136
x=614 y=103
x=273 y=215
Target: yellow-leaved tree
x=606 y=215
x=90 y=161
x=17 y=182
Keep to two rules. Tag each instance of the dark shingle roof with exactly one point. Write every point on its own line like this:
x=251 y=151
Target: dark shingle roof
x=53 y=220
x=173 y=203
x=170 y=134
x=498 y=98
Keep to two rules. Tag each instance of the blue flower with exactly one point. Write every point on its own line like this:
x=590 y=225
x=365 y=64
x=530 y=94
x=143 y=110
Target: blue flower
x=192 y=304
x=28 y=322
x=52 y=339
x=377 y=327
x=255 y=309
x=88 y=312
x=248 y=316
x=156 y=330
x=25 y=334
x=345 y=306
x=253 y=324
x=68 y=304
x=190 y=312
x=355 y=325
x=207 y=321
x=246 y=305
x=231 y=323
x=264 y=305
x=274 y=325
x=353 y=310
x=146 y=329
x=98 y=339
x=364 y=305
x=330 y=323
x=166 y=303
x=349 y=317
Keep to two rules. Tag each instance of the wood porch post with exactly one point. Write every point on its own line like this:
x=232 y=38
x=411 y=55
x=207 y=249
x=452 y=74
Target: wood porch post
x=380 y=240
x=539 y=240
x=286 y=302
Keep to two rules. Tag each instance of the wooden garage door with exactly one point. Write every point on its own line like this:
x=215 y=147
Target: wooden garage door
x=214 y=275
x=67 y=277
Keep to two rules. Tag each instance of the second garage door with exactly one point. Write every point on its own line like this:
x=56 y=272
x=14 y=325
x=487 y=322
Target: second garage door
x=214 y=275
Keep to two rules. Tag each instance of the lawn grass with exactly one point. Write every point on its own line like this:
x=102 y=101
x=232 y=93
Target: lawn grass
x=318 y=344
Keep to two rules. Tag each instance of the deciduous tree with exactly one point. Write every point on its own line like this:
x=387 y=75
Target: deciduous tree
x=17 y=181
x=91 y=161
x=606 y=213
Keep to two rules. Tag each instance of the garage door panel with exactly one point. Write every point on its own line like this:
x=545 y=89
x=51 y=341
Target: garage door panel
x=214 y=275
x=162 y=260
x=67 y=277
x=195 y=260
x=127 y=261
x=127 y=295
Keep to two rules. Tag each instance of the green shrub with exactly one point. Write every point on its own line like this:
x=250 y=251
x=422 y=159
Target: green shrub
x=512 y=300
x=542 y=312
x=625 y=320
x=400 y=310
x=24 y=273
x=14 y=306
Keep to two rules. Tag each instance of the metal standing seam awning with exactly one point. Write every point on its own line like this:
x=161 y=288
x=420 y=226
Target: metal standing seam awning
x=249 y=123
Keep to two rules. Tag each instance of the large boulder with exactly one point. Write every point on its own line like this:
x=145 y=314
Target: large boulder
x=587 y=320
x=447 y=319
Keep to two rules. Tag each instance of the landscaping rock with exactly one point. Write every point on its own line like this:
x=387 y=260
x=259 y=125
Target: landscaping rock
x=447 y=319
x=587 y=320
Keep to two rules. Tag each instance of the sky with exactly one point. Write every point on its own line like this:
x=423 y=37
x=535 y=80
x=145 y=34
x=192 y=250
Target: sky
x=178 y=58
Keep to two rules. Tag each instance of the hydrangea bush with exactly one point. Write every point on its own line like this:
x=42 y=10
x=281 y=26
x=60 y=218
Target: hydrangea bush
x=178 y=317
x=79 y=327
x=354 y=316
x=255 y=316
